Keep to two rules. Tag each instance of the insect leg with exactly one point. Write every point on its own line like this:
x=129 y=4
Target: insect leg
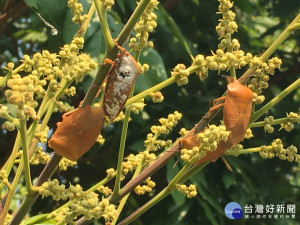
x=213 y=109
x=226 y=164
x=108 y=61
x=215 y=102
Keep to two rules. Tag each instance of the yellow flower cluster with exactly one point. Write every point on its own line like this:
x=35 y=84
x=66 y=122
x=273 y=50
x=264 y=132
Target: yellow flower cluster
x=222 y=60
x=200 y=62
x=248 y=134
x=76 y=10
x=75 y=65
x=108 y=3
x=44 y=71
x=64 y=163
x=145 y=25
x=39 y=156
x=131 y=163
x=21 y=91
x=110 y=172
x=288 y=125
x=189 y=192
x=8 y=218
x=59 y=215
x=152 y=143
x=235 y=149
x=209 y=139
x=82 y=203
x=268 y=127
x=100 y=139
x=41 y=135
x=143 y=68
x=4 y=178
x=138 y=106
x=261 y=76
x=157 y=97
x=11 y=122
x=148 y=187
x=106 y=191
x=276 y=149
x=181 y=72
x=227 y=25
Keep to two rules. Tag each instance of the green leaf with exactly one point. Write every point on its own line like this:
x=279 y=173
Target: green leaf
x=35 y=36
x=208 y=212
x=156 y=73
x=32 y=3
x=229 y=180
x=200 y=178
x=175 y=30
x=210 y=199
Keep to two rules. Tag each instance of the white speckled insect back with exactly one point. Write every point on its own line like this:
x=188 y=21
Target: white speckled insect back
x=119 y=83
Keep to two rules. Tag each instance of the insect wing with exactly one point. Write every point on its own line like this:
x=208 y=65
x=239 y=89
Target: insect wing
x=77 y=132
x=237 y=111
x=119 y=84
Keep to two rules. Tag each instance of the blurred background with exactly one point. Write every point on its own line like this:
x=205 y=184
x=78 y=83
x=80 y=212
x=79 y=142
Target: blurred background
x=184 y=28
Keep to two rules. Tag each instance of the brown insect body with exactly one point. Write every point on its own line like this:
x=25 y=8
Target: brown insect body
x=119 y=83
x=236 y=115
x=237 y=110
x=77 y=132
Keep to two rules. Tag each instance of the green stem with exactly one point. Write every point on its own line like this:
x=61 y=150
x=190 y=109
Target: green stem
x=121 y=153
x=23 y=132
x=101 y=10
x=165 y=192
x=93 y=188
x=184 y=175
x=294 y=25
x=11 y=161
x=147 y=172
x=139 y=10
x=9 y=74
x=11 y=192
x=83 y=27
x=184 y=169
x=274 y=122
x=112 y=53
x=161 y=85
x=124 y=199
x=155 y=88
x=195 y=169
x=274 y=101
x=230 y=49
x=27 y=203
x=241 y=151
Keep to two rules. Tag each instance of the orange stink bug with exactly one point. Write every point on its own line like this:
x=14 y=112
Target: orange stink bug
x=120 y=80
x=237 y=109
x=77 y=132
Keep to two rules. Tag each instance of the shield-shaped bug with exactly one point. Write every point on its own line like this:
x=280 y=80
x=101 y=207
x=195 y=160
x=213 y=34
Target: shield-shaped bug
x=237 y=109
x=119 y=83
x=77 y=132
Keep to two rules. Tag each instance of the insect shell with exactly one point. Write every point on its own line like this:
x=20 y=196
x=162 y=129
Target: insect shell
x=237 y=110
x=77 y=132
x=191 y=141
x=119 y=83
x=236 y=116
